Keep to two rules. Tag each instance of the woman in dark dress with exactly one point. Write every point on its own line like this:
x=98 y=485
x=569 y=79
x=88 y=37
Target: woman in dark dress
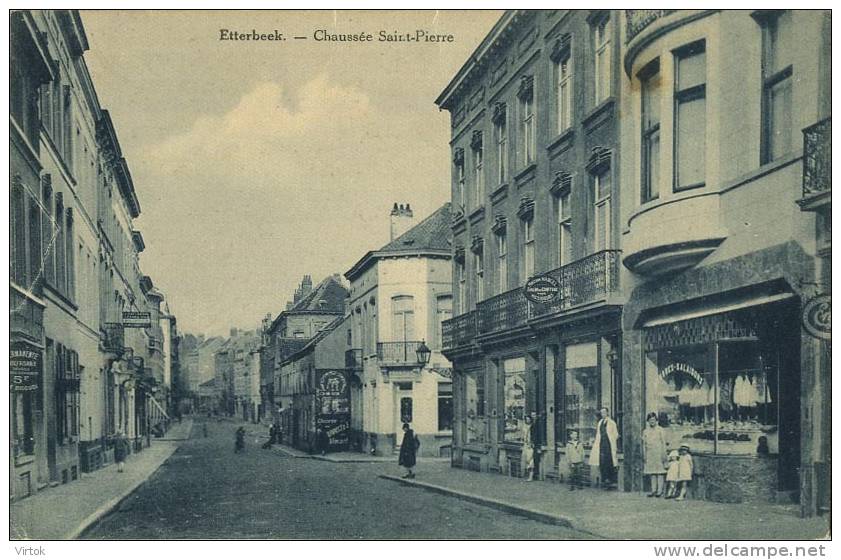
x=408 y=451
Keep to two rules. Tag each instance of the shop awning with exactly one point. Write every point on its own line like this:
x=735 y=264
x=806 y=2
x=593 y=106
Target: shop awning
x=706 y=307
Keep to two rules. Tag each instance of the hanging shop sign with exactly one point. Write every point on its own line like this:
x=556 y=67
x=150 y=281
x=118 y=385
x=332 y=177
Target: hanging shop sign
x=542 y=289
x=333 y=406
x=137 y=319
x=817 y=316
x=25 y=362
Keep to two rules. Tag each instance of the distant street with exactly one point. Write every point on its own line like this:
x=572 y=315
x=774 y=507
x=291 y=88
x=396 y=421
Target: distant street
x=204 y=491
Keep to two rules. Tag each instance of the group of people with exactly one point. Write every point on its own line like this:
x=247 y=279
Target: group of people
x=669 y=471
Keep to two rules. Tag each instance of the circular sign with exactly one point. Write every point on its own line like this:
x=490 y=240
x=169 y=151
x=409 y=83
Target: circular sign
x=542 y=289
x=817 y=316
x=332 y=384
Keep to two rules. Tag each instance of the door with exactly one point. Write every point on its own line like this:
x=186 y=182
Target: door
x=404 y=412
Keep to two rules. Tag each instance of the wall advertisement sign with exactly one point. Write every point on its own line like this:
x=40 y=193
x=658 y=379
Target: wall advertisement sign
x=137 y=319
x=333 y=401
x=25 y=363
x=542 y=289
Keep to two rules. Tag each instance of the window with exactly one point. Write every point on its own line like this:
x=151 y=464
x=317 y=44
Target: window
x=650 y=82
x=67 y=128
x=23 y=84
x=478 y=171
x=67 y=376
x=403 y=318
x=445 y=407
x=514 y=370
x=70 y=287
x=690 y=117
x=563 y=216
x=460 y=194
x=26 y=243
x=777 y=83
x=479 y=269
x=601 y=197
x=718 y=404
x=462 y=287
x=528 y=247
x=60 y=244
x=527 y=120
x=501 y=136
x=406 y=410
x=475 y=406
x=501 y=261
x=601 y=60
x=48 y=229
x=563 y=93
x=443 y=312
x=582 y=391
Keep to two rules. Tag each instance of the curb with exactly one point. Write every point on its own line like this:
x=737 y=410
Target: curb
x=114 y=503
x=542 y=517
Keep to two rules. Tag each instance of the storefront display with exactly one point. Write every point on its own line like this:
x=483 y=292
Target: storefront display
x=514 y=370
x=475 y=401
x=583 y=382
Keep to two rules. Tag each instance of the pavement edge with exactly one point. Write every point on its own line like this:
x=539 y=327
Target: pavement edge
x=542 y=517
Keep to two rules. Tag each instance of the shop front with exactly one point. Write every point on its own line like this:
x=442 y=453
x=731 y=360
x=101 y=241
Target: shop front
x=728 y=386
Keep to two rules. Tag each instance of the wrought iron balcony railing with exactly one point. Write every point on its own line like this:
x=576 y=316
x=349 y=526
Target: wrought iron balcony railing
x=398 y=353
x=637 y=20
x=353 y=358
x=459 y=330
x=589 y=280
x=817 y=158
x=584 y=281
x=507 y=310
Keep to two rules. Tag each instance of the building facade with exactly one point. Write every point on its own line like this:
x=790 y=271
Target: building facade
x=399 y=296
x=535 y=190
x=74 y=261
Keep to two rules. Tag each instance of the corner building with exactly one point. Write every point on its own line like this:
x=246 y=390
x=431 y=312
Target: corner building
x=720 y=259
x=534 y=192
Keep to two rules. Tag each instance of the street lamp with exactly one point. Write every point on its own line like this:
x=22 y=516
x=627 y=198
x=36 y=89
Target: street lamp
x=423 y=353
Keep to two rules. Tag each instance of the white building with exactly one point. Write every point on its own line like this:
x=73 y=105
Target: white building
x=399 y=295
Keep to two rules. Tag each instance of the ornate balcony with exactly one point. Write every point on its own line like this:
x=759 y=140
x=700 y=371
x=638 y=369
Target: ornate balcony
x=399 y=354
x=502 y=312
x=353 y=359
x=459 y=331
x=817 y=165
x=637 y=20
x=588 y=280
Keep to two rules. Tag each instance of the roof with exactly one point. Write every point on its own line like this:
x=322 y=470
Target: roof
x=327 y=298
x=433 y=235
x=313 y=342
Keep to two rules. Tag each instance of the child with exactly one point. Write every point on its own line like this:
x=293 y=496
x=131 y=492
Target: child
x=239 y=443
x=685 y=468
x=672 y=474
x=575 y=460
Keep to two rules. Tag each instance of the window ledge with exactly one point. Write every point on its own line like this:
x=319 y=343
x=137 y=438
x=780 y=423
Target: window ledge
x=566 y=135
x=592 y=118
x=525 y=171
x=52 y=290
x=24 y=459
x=499 y=193
x=476 y=215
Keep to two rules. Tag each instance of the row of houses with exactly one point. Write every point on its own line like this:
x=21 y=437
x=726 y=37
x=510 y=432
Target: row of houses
x=641 y=221
x=356 y=357
x=93 y=344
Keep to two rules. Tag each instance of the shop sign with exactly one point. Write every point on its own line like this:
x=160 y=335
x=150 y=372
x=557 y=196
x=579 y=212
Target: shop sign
x=333 y=401
x=817 y=316
x=25 y=361
x=137 y=319
x=685 y=368
x=542 y=289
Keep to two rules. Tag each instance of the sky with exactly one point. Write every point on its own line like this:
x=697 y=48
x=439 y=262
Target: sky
x=258 y=162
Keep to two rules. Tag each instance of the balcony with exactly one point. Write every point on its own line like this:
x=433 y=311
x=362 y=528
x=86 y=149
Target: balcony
x=114 y=338
x=637 y=20
x=353 y=359
x=503 y=312
x=588 y=280
x=459 y=331
x=817 y=165
x=398 y=353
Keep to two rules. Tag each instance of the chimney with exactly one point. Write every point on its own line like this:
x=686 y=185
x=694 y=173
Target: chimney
x=233 y=332
x=402 y=220
x=306 y=285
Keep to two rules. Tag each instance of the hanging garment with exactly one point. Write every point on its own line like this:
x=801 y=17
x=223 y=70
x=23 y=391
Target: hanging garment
x=725 y=394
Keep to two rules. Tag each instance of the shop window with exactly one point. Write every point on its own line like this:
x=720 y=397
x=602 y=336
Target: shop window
x=514 y=370
x=690 y=118
x=67 y=377
x=717 y=398
x=445 y=407
x=23 y=406
x=475 y=407
x=582 y=390
x=777 y=83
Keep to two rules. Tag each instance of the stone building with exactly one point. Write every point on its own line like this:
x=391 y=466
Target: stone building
x=399 y=296
x=535 y=168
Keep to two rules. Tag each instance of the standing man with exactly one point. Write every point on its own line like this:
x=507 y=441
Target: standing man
x=603 y=454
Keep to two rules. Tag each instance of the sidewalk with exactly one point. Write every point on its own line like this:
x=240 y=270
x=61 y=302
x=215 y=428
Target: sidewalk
x=353 y=457
x=64 y=512
x=619 y=515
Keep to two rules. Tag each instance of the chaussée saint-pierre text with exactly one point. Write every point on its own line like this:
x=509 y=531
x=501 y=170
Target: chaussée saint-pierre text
x=324 y=35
